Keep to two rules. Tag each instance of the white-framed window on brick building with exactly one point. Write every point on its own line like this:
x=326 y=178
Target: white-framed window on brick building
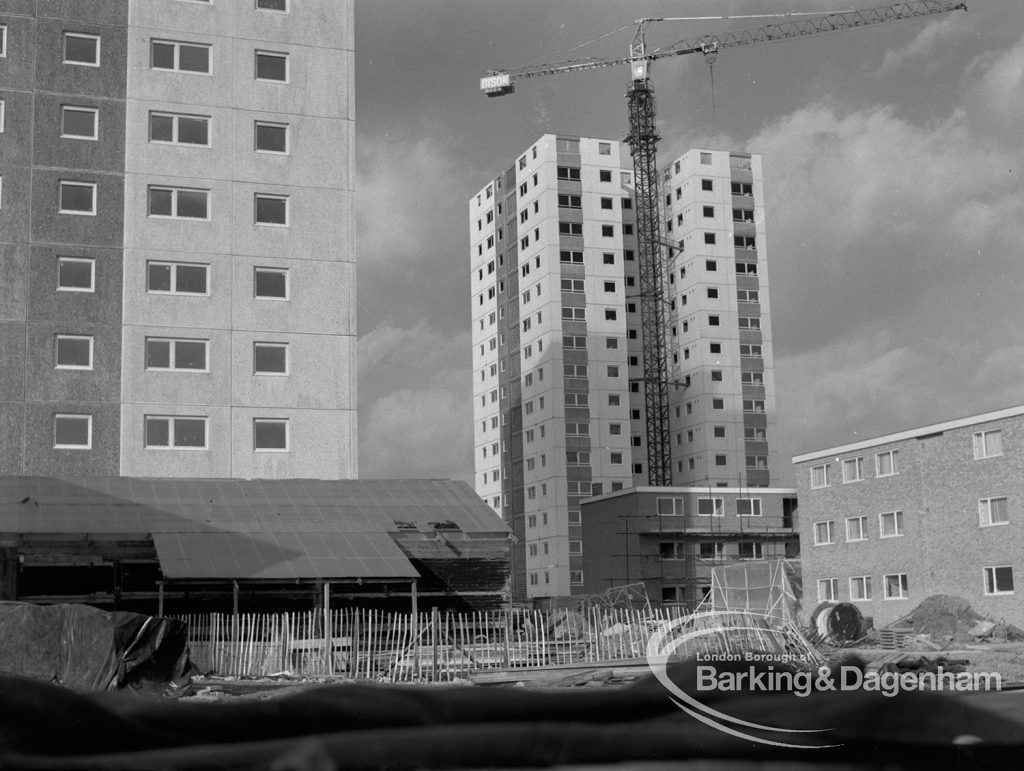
x=999 y=580
x=890 y=524
x=857 y=528
x=819 y=476
x=896 y=586
x=824 y=532
x=885 y=463
x=177 y=278
x=751 y=550
x=175 y=432
x=828 y=589
x=79 y=122
x=860 y=588
x=988 y=444
x=73 y=352
x=180 y=57
x=72 y=431
x=670 y=506
x=76 y=274
x=710 y=507
x=993 y=511
x=853 y=470
x=748 y=507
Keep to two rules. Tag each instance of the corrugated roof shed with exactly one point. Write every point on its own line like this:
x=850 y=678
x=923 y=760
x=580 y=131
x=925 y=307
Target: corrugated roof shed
x=257 y=529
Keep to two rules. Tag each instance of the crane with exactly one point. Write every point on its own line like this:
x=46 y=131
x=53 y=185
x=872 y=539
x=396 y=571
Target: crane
x=643 y=138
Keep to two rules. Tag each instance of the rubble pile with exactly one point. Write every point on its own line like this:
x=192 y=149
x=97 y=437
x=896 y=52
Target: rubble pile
x=947 y=619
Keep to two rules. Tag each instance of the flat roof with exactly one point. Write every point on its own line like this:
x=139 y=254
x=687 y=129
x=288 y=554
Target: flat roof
x=691 y=490
x=913 y=433
x=253 y=529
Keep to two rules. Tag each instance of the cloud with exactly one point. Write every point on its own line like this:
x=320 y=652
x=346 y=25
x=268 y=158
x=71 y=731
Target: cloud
x=939 y=33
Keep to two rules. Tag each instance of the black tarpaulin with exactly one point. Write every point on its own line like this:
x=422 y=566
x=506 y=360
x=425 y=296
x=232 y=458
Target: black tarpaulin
x=88 y=649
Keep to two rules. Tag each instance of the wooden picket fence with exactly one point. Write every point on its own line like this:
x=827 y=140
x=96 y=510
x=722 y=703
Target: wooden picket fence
x=371 y=644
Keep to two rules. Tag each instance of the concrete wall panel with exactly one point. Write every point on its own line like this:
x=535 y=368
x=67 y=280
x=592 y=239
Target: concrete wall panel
x=184 y=311
x=143 y=156
x=319 y=223
x=314 y=75
x=42 y=459
x=211 y=236
x=327 y=25
x=14 y=213
x=17 y=70
x=12 y=428
x=12 y=354
x=319 y=374
x=13 y=281
x=50 y=226
x=101 y=306
x=186 y=88
x=176 y=387
x=53 y=75
x=319 y=440
x=16 y=144
x=137 y=460
x=105 y=153
x=321 y=297
x=318 y=152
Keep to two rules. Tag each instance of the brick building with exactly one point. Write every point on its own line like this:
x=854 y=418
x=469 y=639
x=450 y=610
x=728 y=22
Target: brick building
x=934 y=510
x=670 y=538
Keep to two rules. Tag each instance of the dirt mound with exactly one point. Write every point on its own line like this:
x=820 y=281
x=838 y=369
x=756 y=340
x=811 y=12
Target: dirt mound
x=941 y=617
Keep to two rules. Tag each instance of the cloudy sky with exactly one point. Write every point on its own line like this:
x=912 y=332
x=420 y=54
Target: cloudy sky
x=895 y=205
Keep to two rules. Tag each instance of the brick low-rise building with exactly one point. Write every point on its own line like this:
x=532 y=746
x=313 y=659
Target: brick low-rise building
x=670 y=538
x=889 y=521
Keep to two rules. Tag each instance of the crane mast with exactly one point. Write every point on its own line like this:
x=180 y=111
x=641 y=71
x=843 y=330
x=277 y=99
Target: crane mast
x=642 y=140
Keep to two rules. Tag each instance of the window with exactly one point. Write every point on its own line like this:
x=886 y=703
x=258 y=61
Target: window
x=750 y=351
x=828 y=589
x=273 y=5
x=988 y=444
x=607 y=231
x=3 y=40
x=72 y=432
x=750 y=268
x=717 y=404
x=745 y=242
x=77 y=198
x=176 y=354
x=885 y=463
x=610 y=314
x=272 y=66
x=180 y=57
x=751 y=550
x=575 y=548
x=270 y=434
x=993 y=511
x=757 y=461
x=743 y=215
x=270 y=358
x=270 y=283
x=705 y=159
x=748 y=296
x=78 y=122
x=714 y=347
x=570 y=228
x=709 y=238
x=853 y=470
x=896 y=587
x=824 y=533
x=670 y=506
x=172 y=432
x=604 y=175
x=172 y=128
x=73 y=352
x=568 y=172
x=568 y=256
x=604 y=148
x=742 y=188
x=819 y=476
x=176 y=278
x=564 y=201
x=748 y=507
x=721 y=460
x=616 y=458
x=856 y=528
x=709 y=550
x=860 y=588
x=999 y=580
x=3 y=103
x=575 y=577
x=76 y=274
x=80 y=48
x=749 y=322
x=179 y=203
x=890 y=524
x=271 y=209
x=707 y=185
x=710 y=507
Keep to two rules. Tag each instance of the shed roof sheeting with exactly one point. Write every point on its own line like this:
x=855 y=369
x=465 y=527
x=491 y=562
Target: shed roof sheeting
x=289 y=528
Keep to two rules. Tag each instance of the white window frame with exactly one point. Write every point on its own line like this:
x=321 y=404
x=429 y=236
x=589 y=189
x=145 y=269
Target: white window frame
x=175 y=130
x=990 y=589
x=904 y=586
x=174 y=278
x=824 y=468
x=830 y=528
x=676 y=507
x=858 y=469
x=863 y=593
x=74 y=416
x=173 y=354
x=272 y=124
x=80 y=36
x=287 y=283
x=981 y=448
x=3 y=112
x=287 y=7
x=174 y=191
x=287 y=435
x=271 y=344
x=287 y=210
x=863 y=520
x=56 y=352
x=92 y=273
x=717 y=507
x=985 y=511
x=892 y=463
x=897 y=521
x=576 y=578
x=64 y=108
x=177 y=56
x=276 y=54
x=170 y=433
x=756 y=550
x=828 y=589
x=3 y=41
x=755 y=507
x=76 y=183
